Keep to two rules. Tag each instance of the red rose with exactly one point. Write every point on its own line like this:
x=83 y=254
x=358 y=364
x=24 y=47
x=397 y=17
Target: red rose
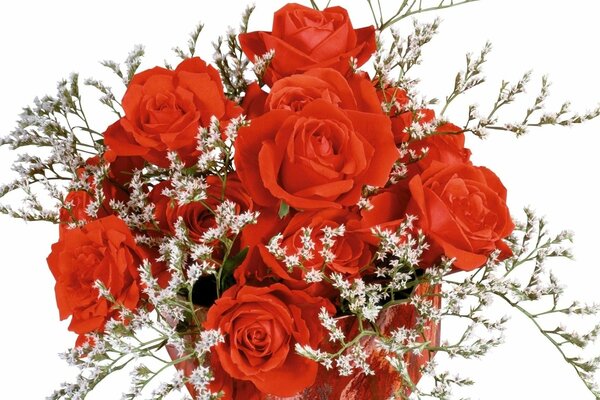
x=446 y=146
x=402 y=121
x=388 y=210
x=319 y=157
x=261 y=327
x=296 y=91
x=197 y=216
x=78 y=202
x=164 y=109
x=120 y=171
x=104 y=250
x=395 y=100
x=351 y=251
x=462 y=210
x=304 y=38
x=255 y=238
x=254 y=101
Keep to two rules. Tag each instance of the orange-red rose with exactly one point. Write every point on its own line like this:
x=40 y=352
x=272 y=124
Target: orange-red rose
x=304 y=38
x=296 y=91
x=447 y=146
x=114 y=187
x=462 y=211
x=253 y=102
x=396 y=99
x=261 y=326
x=164 y=109
x=104 y=250
x=198 y=216
x=255 y=238
x=351 y=251
x=319 y=157
x=355 y=92
x=388 y=210
x=78 y=202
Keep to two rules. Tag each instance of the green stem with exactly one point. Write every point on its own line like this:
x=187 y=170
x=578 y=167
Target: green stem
x=399 y=16
x=373 y=13
x=167 y=365
x=354 y=341
x=546 y=334
x=396 y=302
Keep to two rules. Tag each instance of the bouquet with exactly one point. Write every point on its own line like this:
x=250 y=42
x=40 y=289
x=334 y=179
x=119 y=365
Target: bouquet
x=287 y=220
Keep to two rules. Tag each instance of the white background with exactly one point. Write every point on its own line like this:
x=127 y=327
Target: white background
x=555 y=170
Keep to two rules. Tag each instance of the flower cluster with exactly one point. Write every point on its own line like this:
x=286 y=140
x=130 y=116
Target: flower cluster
x=284 y=229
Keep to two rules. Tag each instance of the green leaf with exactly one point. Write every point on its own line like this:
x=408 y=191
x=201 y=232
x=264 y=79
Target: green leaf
x=284 y=209
x=229 y=267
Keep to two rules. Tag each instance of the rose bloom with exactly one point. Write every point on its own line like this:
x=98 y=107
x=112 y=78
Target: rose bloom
x=351 y=253
x=253 y=102
x=261 y=327
x=120 y=169
x=319 y=157
x=255 y=237
x=164 y=110
x=78 y=202
x=351 y=250
x=304 y=38
x=402 y=118
x=198 y=216
x=114 y=187
x=104 y=250
x=462 y=211
x=447 y=146
x=388 y=210
x=389 y=204
x=296 y=91
x=396 y=100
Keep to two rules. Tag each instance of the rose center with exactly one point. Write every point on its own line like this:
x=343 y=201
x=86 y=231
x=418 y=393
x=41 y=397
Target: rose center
x=255 y=339
x=323 y=146
x=309 y=29
x=163 y=109
x=87 y=259
x=470 y=206
x=313 y=20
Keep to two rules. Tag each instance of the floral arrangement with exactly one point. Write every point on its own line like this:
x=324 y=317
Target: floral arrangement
x=288 y=221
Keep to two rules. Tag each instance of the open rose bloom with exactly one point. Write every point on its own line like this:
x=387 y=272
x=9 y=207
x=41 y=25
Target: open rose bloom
x=284 y=230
